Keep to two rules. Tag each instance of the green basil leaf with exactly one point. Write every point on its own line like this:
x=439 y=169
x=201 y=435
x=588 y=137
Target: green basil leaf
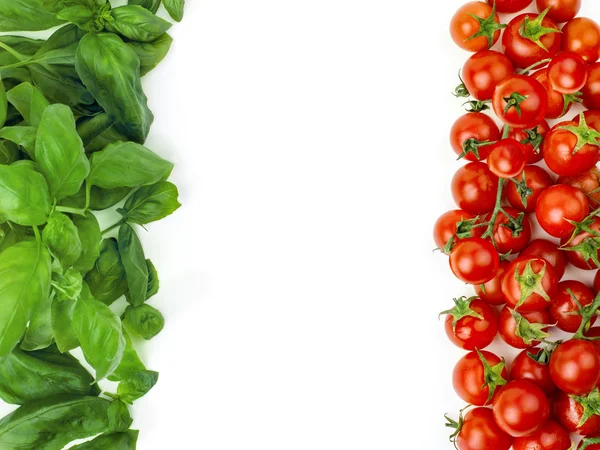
x=119 y=418
x=175 y=9
x=9 y=153
x=144 y=320
x=39 y=334
x=151 y=203
x=137 y=24
x=91 y=236
x=24 y=197
x=61 y=237
x=89 y=128
x=107 y=280
x=134 y=262
x=153 y=281
x=56 y=6
x=151 y=54
x=135 y=387
x=22 y=45
x=24 y=137
x=80 y=15
x=127 y=164
x=130 y=364
x=111 y=72
x=126 y=440
x=100 y=199
x=62 y=324
x=109 y=136
x=3 y=104
x=12 y=233
x=29 y=101
x=30 y=376
x=24 y=283
x=150 y=5
x=25 y=15
x=100 y=334
x=59 y=152
x=67 y=285
x=50 y=424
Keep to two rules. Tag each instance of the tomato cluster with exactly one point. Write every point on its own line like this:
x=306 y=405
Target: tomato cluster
x=520 y=84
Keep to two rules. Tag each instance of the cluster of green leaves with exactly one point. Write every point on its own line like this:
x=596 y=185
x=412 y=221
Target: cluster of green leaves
x=73 y=122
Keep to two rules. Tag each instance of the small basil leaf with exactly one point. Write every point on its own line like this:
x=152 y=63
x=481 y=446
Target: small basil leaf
x=137 y=24
x=126 y=440
x=153 y=281
x=62 y=324
x=29 y=101
x=100 y=199
x=90 y=236
x=175 y=9
x=151 y=203
x=150 y=5
x=22 y=45
x=137 y=386
x=8 y=153
x=134 y=262
x=107 y=280
x=119 y=418
x=89 y=128
x=151 y=54
x=130 y=364
x=67 y=285
x=144 y=320
x=3 y=104
x=24 y=137
x=39 y=334
x=61 y=237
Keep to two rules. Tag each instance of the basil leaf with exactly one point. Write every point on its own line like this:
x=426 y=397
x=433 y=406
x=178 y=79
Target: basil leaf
x=24 y=137
x=137 y=24
x=25 y=15
x=9 y=153
x=100 y=199
x=107 y=280
x=29 y=101
x=151 y=54
x=175 y=9
x=153 y=281
x=100 y=335
x=127 y=164
x=111 y=72
x=39 y=334
x=151 y=203
x=119 y=418
x=67 y=285
x=135 y=387
x=50 y=424
x=3 y=104
x=24 y=283
x=90 y=236
x=144 y=320
x=89 y=128
x=61 y=237
x=134 y=262
x=130 y=364
x=30 y=376
x=59 y=152
x=24 y=197
x=126 y=440
x=62 y=324
x=22 y=45
x=150 y=5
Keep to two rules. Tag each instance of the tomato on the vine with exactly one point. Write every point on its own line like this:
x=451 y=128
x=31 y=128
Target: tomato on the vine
x=518 y=330
x=520 y=101
x=474 y=188
x=520 y=408
x=549 y=251
x=570 y=412
x=551 y=436
x=558 y=104
x=564 y=308
x=446 y=227
x=592 y=118
x=472 y=134
x=475 y=26
x=507 y=158
x=560 y=10
x=537 y=180
x=528 y=284
x=567 y=73
x=483 y=71
x=491 y=291
x=525 y=367
x=477 y=379
x=583 y=251
x=591 y=90
x=558 y=205
x=532 y=139
x=575 y=367
x=479 y=431
x=510 y=6
x=474 y=260
x=590 y=443
x=587 y=182
x=511 y=235
x=582 y=36
x=471 y=323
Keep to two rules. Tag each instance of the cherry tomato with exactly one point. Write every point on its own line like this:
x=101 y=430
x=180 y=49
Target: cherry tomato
x=510 y=6
x=536 y=179
x=507 y=158
x=563 y=308
x=569 y=413
x=587 y=182
x=511 y=237
x=464 y=26
x=596 y=285
x=521 y=44
x=526 y=104
x=567 y=73
x=583 y=248
x=474 y=260
x=560 y=10
x=551 y=436
x=474 y=188
x=471 y=324
x=594 y=332
x=561 y=153
x=508 y=327
x=556 y=101
x=531 y=139
x=575 y=367
x=468 y=134
x=445 y=227
x=592 y=118
x=491 y=292
x=525 y=368
x=582 y=36
x=591 y=90
x=549 y=251
x=469 y=381
x=479 y=432
x=524 y=276
x=521 y=408
x=483 y=71
x=556 y=205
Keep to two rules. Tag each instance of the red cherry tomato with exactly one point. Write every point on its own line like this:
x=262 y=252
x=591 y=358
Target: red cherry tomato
x=556 y=205
x=550 y=252
x=587 y=182
x=474 y=188
x=511 y=237
x=525 y=368
x=592 y=119
x=479 y=431
x=507 y=158
x=524 y=276
x=596 y=285
x=471 y=324
x=474 y=260
x=522 y=45
x=567 y=73
x=509 y=331
x=445 y=227
x=468 y=134
x=556 y=101
x=591 y=90
x=590 y=443
x=575 y=367
x=569 y=413
x=531 y=139
x=563 y=308
x=582 y=36
x=464 y=25
x=510 y=6
x=561 y=152
x=483 y=71
x=521 y=408
x=551 y=436
x=520 y=101
x=491 y=292
x=468 y=377
x=560 y=10
x=583 y=257
x=536 y=179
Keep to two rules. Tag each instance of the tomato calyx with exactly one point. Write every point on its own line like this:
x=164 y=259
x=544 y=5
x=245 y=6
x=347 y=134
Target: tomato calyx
x=477 y=105
x=472 y=145
x=543 y=356
x=487 y=27
x=534 y=138
x=461 y=90
x=588 y=248
x=531 y=283
x=515 y=225
x=535 y=29
x=462 y=308
x=585 y=135
x=590 y=404
x=523 y=190
x=571 y=99
x=492 y=375
x=463 y=231
x=456 y=426
x=514 y=101
x=587 y=442
x=587 y=313
x=529 y=332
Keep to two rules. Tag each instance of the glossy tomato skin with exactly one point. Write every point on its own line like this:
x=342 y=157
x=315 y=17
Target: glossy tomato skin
x=569 y=413
x=520 y=408
x=587 y=182
x=560 y=10
x=533 y=107
x=557 y=203
x=594 y=332
x=503 y=236
x=592 y=118
x=524 y=52
x=508 y=325
x=591 y=90
x=555 y=100
x=560 y=155
x=563 y=309
x=549 y=251
x=445 y=227
x=519 y=134
x=575 y=367
x=512 y=290
x=480 y=432
x=463 y=26
x=525 y=368
x=582 y=36
x=492 y=290
x=510 y=6
x=483 y=71
x=474 y=188
x=474 y=126
x=567 y=73
x=576 y=257
x=474 y=260
x=537 y=179
x=467 y=378
x=471 y=332
x=596 y=285
x=551 y=436
x=507 y=158
x=590 y=446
